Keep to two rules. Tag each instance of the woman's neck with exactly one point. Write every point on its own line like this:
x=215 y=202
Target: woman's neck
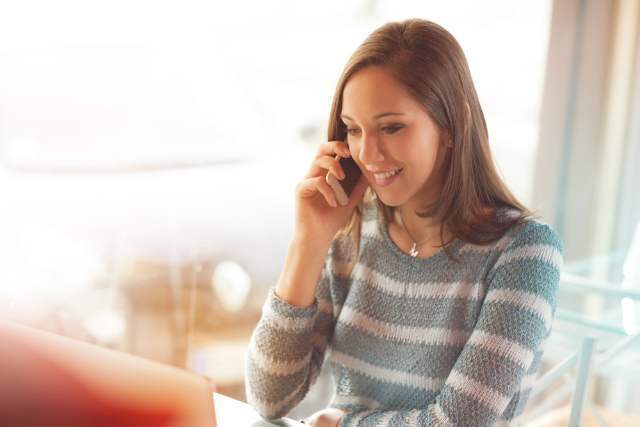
x=418 y=229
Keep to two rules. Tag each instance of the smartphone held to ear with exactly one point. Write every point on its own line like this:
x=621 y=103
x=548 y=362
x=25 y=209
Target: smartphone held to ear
x=343 y=188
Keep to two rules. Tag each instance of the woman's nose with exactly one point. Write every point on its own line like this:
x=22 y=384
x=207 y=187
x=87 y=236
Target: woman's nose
x=370 y=150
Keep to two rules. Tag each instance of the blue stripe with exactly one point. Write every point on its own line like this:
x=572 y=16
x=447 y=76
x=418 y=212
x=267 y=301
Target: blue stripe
x=534 y=275
x=484 y=357
x=421 y=359
x=435 y=313
x=520 y=326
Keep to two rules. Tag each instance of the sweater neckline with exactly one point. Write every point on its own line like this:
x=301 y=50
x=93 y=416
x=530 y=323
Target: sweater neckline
x=453 y=246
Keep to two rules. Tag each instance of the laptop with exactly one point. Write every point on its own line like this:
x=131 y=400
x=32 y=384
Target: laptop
x=54 y=381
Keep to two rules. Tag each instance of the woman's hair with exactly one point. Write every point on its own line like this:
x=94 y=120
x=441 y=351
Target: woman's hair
x=430 y=63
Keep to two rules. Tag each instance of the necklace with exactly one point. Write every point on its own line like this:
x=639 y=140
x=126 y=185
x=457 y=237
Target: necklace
x=414 y=252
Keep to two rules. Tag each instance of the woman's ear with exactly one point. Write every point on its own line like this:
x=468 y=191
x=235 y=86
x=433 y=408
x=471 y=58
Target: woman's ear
x=446 y=139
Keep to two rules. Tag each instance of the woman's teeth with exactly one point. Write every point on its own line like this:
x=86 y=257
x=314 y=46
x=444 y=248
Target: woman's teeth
x=386 y=174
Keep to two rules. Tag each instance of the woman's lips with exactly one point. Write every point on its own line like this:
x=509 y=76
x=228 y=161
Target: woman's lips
x=386 y=178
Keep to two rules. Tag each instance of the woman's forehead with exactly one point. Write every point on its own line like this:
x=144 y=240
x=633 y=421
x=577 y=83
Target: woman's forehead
x=373 y=91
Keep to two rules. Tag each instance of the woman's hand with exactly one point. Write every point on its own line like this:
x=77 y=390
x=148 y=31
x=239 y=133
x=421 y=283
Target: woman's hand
x=318 y=214
x=329 y=417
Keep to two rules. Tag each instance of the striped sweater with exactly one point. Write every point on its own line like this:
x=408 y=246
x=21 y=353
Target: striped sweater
x=414 y=342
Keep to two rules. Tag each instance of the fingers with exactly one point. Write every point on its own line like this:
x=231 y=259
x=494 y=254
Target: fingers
x=326 y=160
x=309 y=187
x=331 y=148
x=331 y=164
x=328 y=149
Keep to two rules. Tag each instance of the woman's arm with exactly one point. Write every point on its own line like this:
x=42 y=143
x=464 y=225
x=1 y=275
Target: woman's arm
x=301 y=272
x=515 y=319
x=287 y=348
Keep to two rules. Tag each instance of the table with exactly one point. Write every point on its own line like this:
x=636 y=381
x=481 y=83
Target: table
x=234 y=413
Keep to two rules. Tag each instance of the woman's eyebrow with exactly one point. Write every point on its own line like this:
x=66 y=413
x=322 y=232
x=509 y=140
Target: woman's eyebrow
x=377 y=116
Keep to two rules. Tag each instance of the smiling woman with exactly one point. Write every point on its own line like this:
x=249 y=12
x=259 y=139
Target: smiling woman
x=455 y=140
x=394 y=147
x=433 y=288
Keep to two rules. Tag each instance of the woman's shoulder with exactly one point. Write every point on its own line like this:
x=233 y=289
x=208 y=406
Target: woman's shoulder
x=531 y=240
x=531 y=231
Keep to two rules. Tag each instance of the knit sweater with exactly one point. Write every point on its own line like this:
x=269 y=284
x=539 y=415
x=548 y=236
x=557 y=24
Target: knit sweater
x=414 y=342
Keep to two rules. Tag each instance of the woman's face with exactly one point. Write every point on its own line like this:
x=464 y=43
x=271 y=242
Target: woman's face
x=392 y=139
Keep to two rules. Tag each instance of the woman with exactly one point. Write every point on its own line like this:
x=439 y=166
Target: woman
x=433 y=289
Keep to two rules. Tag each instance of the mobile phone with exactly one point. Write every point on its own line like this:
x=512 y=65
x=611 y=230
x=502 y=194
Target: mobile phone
x=343 y=188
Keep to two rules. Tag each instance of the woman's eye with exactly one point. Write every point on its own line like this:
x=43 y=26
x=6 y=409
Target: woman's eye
x=353 y=131
x=391 y=129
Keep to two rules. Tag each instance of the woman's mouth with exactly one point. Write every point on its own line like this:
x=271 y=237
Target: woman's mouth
x=386 y=178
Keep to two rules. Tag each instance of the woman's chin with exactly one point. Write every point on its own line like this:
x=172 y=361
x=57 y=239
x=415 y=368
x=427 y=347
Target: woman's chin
x=389 y=200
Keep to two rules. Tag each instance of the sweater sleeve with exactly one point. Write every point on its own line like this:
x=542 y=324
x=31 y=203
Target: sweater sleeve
x=514 y=321
x=287 y=350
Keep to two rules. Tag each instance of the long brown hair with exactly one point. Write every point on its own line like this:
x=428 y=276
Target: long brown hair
x=430 y=63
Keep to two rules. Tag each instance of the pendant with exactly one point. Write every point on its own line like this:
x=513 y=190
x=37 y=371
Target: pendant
x=413 y=251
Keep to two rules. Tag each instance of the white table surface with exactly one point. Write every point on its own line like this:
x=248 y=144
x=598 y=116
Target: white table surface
x=233 y=413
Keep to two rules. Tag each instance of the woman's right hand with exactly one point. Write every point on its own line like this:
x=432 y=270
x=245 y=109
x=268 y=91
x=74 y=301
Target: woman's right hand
x=318 y=215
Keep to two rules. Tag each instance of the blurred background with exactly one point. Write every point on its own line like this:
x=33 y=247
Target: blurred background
x=149 y=151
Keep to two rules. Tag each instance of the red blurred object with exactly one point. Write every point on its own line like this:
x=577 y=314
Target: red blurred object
x=52 y=381
x=53 y=396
